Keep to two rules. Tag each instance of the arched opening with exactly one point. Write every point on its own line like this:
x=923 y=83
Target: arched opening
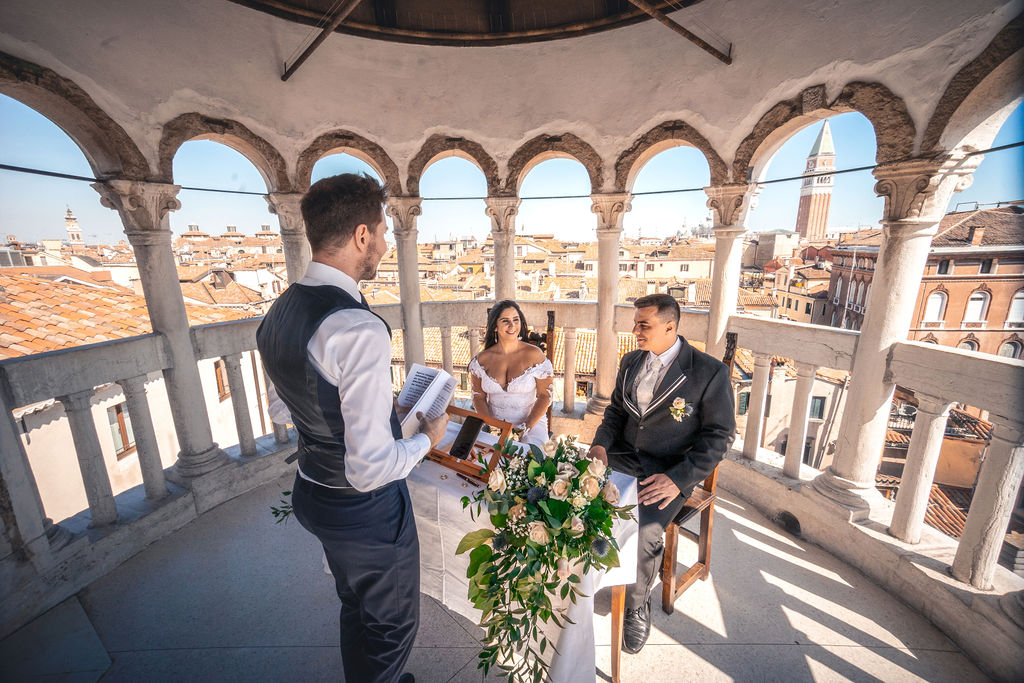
x=351 y=161
x=31 y=140
x=682 y=214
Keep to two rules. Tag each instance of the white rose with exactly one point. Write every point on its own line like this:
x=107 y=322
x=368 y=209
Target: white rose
x=566 y=471
x=597 y=468
x=539 y=533
x=576 y=526
x=549 y=448
x=579 y=501
x=610 y=493
x=590 y=486
x=559 y=489
x=496 y=481
x=679 y=403
x=516 y=463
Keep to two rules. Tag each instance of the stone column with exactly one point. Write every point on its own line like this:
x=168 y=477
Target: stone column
x=144 y=208
x=286 y=205
x=404 y=211
x=239 y=404
x=78 y=407
x=919 y=470
x=755 y=405
x=569 y=371
x=991 y=507
x=610 y=210
x=727 y=201
x=447 y=362
x=474 y=341
x=798 y=418
x=916 y=194
x=146 y=447
x=502 y=211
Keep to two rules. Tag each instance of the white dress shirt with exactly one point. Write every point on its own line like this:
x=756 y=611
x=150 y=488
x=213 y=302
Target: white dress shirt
x=351 y=350
x=665 y=359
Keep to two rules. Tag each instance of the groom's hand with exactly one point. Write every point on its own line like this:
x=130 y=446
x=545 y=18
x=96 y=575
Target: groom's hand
x=658 y=488
x=598 y=453
x=434 y=429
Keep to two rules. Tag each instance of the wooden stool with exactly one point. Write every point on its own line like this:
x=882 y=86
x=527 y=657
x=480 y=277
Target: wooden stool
x=702 y=501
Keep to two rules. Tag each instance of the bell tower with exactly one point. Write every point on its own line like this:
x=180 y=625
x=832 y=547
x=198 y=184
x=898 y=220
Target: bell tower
x=816 y=190
x=71 y=225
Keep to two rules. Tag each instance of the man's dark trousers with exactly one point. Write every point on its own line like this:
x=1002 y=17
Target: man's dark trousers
x=372 y=549
x=650 y=542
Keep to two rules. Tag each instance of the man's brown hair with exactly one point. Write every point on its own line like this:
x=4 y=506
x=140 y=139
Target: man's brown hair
x=334 y=206
x=668 y=307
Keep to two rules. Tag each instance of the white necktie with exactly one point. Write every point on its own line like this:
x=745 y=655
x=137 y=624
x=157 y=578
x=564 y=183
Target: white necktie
x=646 y=383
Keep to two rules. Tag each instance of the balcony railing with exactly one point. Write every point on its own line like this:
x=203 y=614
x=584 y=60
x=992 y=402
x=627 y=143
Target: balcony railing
x=939 y=374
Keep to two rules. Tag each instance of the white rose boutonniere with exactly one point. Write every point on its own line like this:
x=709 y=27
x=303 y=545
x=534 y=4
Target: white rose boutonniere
x=680 y=409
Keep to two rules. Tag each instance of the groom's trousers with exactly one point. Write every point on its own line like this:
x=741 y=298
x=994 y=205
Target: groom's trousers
x=372 y=549
x=651 y=540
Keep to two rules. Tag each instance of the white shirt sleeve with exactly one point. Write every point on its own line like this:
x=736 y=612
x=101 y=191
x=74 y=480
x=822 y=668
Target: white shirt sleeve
x=352 y=351
x=279 y=413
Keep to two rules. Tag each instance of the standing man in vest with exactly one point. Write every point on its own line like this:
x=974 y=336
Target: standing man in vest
x=328 y=357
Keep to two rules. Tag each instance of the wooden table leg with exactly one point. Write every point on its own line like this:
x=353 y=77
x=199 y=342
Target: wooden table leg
x=618 y=608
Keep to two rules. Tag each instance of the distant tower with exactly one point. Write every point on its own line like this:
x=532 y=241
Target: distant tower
x=71 y=225
x=816 y=192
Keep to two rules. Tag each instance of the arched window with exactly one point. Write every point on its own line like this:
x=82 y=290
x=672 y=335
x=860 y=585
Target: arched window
x=1010 y=349
x=860 y=293
x=968 y=345
x=977 y=307
x=943 y=268
x=839 y=288
x=935 y=308
x=1016 y=314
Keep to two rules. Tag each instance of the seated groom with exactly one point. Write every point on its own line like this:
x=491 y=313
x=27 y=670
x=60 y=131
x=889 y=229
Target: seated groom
x=667 y=445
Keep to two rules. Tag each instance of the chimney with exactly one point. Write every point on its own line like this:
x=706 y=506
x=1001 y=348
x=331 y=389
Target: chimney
x=974 y=234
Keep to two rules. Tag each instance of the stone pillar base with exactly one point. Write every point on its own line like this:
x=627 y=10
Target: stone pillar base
x=856 y=499
x=190 y=466
x=596 y=405
x=57 y=535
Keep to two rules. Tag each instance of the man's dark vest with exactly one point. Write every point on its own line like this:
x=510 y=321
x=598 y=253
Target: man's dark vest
x=314 y=403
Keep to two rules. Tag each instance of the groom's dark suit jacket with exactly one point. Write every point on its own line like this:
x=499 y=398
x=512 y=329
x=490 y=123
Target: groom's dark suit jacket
x=653 y=443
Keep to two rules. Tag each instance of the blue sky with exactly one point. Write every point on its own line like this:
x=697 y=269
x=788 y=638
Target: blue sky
x=32 y=207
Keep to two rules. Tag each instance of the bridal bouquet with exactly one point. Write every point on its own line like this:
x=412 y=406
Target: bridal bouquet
x=552 y=512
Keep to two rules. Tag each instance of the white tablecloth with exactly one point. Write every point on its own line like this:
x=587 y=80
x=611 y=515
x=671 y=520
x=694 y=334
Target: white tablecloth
x=441 y=522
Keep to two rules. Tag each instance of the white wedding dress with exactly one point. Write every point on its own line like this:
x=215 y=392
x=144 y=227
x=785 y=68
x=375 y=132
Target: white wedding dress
x=514 y=402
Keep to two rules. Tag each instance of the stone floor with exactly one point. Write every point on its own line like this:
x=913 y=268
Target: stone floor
x=234 y=597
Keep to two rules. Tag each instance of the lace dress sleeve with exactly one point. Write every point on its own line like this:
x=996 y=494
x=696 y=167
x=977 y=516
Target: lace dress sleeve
x=543 y=370
x=476 y=369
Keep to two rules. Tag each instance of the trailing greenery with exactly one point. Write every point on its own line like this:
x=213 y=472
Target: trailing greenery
x=551 y=513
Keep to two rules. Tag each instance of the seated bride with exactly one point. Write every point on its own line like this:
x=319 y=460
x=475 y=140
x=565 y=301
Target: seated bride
x=512 y=377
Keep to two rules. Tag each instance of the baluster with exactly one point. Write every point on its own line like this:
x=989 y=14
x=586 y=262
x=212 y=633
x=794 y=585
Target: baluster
x=756 y=404
x=446 y=351
x=569 y=370
x=919 y=470
x=798 y=418
x=78 y=407
x=153 y=481
x=239 y=404
x=998 y=480
x=281 y=434
x=474 y=341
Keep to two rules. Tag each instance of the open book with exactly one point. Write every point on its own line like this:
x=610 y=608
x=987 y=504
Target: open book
x=427 y=391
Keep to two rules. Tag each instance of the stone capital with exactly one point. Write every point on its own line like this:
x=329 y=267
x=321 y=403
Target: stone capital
x=610 y=209
x=80 y=401
x=806 y=370
x=404 y=211
x=930 y=405
x=142 y=207
x=727 y=201
x=287 y=207
x=919 y=190
x=133 y=387
x=502 y=212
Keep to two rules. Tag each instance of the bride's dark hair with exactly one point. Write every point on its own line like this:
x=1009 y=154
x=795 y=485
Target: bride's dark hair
x=491 y=336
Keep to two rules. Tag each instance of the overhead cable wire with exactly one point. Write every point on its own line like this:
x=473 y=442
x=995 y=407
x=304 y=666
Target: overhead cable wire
x=67 y=176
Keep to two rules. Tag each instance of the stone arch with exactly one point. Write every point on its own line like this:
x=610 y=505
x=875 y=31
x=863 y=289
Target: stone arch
x=544 y=147
x=437 y=145
x=930 y=339
x=193 y=126
x=110 y=151
x=665 y=136
x=894 y=129
x=951 y=115
x=349 y=143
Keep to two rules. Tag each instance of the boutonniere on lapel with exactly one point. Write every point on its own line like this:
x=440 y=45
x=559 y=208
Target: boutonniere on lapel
x=680 y=409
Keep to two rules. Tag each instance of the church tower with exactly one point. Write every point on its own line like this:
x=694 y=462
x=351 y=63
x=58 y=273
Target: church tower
x=71 y=225
x=816 y=192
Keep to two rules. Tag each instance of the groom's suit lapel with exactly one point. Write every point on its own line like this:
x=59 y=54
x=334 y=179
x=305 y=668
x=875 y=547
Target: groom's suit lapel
x=629 y=379
x=674 y=377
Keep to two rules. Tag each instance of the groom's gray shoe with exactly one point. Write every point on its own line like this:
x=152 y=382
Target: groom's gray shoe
x=636 y=628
